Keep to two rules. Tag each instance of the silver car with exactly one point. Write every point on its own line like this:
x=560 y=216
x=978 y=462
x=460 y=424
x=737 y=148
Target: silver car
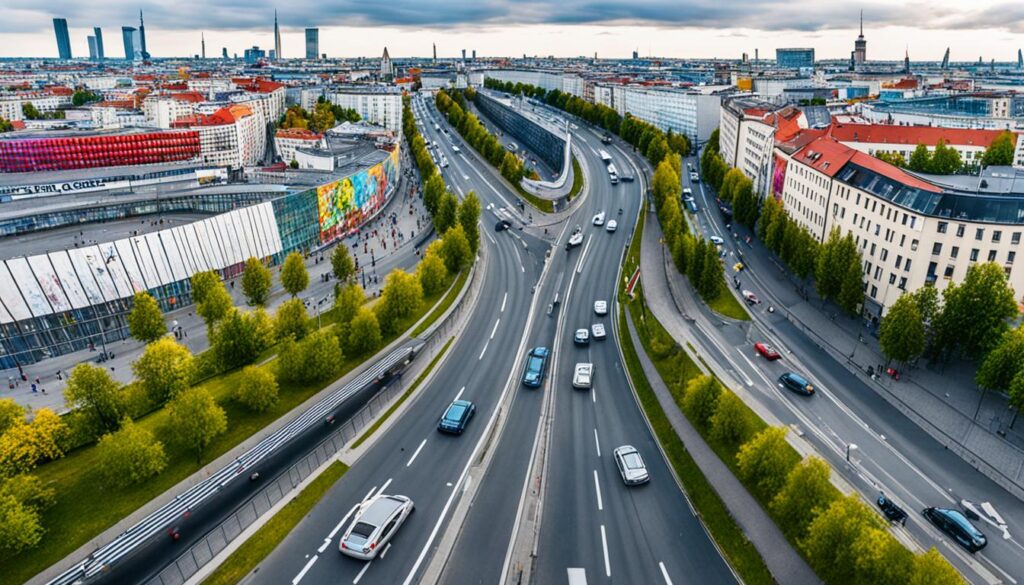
x=583 y=376
x=631 y=465
x=601 y=307
x=597 y=331
x=376 y=522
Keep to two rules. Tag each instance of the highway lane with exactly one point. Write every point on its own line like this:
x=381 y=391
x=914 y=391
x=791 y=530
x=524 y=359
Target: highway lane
x=894 y=454
x=412 y=458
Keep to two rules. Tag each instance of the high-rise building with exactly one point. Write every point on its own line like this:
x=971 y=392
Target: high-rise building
x=312 y=43
x=277 y=38
x=794 y=58
x=1020 y=59
x=92 y=48
x=202 y=40
x=132 y=43
x=860 y=46
x=463 y=54
x=254 y=54
x=435 y=51
x=636 y=54
x=906 y=61
x=474 y=54
x=98 y=33
x=387 y=70
x=142 y=38
x=223 y=52
x=60 y=28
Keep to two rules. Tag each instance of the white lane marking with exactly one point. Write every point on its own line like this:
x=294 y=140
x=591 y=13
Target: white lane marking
x=503 y=299
x=583 y=256
x=369 y=493
x=384 y=487
x=362 y=572
x=302 y=573
x=418 y=449
x=576 y=576
x=491 y=238
x=342 y=523
x=484 y=350
x=752 y=367
x=597 y=488
x=593 y=394
x=388 y=547
x=604 y=544
x=664 y=573
x=519 y=258
x=597 y=443
x=461 y=390
x=495 y=330
x=323 y=546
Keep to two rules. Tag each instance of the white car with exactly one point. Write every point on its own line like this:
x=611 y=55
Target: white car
x=601 y=307
x=694 y=177
x=575 y=239
x=376 y=522
x=455 y=149
x=612 y=226
x=599 y=219
x=716 y=240
x=631 y=465
x=583 y=376
x=597 y=331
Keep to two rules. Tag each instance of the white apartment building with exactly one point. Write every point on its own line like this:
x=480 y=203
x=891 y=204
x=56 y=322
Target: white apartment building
x=547 y=79
x=747 y=131
x=683 y=111
x=163 y=110
x=10 y=108
x=910 y=231
x=376 y=104
x=231 y=137
x=286 y=141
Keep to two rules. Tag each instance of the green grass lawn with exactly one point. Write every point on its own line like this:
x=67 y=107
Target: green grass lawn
x=577 y=179
x=541 y=204
x=85 y=507
x=260 y=544
x=728 y=305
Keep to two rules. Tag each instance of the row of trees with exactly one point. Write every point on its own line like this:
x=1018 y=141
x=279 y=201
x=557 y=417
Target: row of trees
x=29 y=111
x=841 y=537
x=945 y=160
x=488 y=145
x=737 y=190
x=651 y=141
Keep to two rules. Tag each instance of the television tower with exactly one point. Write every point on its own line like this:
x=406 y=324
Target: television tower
x=142 y=36
x=277 y=37
x=202 y=36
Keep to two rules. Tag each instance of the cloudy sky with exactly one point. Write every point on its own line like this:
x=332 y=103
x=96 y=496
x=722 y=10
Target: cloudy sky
x=612 y=28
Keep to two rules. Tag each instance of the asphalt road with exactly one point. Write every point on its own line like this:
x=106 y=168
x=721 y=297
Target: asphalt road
x=894 y=455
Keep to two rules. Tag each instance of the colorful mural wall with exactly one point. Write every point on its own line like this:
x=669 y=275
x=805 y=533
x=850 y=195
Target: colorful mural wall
x=343 y=205
x=779 y=177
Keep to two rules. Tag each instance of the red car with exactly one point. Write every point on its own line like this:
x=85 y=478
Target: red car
x=767 y=352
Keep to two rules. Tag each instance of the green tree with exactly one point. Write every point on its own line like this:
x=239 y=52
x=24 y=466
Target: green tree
x=212 y=300
x=455 y=250
x=828 y=276
x=431 y=271
x=256 y=282
x=294 y=277
x=20 y=525
x=927 y=300
x=291 y=320
x=11 y=413
x=851 y=293
x=5 y=125
x=1016 y=391
x=831 y=536
x=975 y=312
x=881 y=559
x=322 y=118
x=931 y=568
x=29 y=111
x=901 y=334
x=730 y=424
x=364 y=333
x=920 y=159
x=257 y=389
x=314 y=359
x=447 y=213
x=771 y=213
x=896 y=159
x=145 y=321
x=130 y=455
x=945 y=159
x=348 y=301
x=342 y=265
x=701 y=400
x=195 y=419
x=665 y=184
x=657 y=150
x=97 y=397
x=712 y=274
x=765 y=460
x=1000 y=152
x=469 y=219
x=240 y=337
x=202 y=283
x=806 y=493
x=25 y=444
x=400 y=299
x=164 y=369
x=433 y=190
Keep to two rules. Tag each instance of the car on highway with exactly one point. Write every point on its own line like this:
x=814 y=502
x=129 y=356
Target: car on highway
x=611 y=226
x=502 y=225
x=955 y=524
x=575 y=239
x=627 y=178
x=601 y=307
x=631 y=465
x=455 y=149
x=536 y=367
x=597 y=331
x=694 y=177
x=582 y=337
x=796 y=383
x=376 y=522
x=583 y=376
x=687 y=194
x=892 y=511
x=751 y=298
x=456 y=417
x=717 y=240
x=599 y=219
x=767 y=352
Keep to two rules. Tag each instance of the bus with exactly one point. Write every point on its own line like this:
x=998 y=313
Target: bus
x=605 y=157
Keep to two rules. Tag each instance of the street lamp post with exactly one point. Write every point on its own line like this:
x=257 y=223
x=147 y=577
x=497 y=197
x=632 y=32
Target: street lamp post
x=850 y=447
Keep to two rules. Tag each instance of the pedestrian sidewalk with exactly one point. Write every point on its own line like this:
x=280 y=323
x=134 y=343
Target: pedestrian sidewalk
x=782 y=560
x=391 y=239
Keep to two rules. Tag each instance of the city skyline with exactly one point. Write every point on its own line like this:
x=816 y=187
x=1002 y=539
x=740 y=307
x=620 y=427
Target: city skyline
x=693 y=31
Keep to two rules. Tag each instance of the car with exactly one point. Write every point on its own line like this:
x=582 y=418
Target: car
x=796 y=383
x=583 y=376
x=455 y=149
x=751 y=298
x=892 y=511
x=767 y=352
x=631 y=465
x=444 y=162
x=376 y=522
x=955 y=524
x=456 y=417
x=597 y=331
x=512 y=146
x=536 y=367
x=694 y=177
x=582 y=337
x=687 y=192
x=612 y=226
x=599 y=219
x=692 y=206
x=502 y=225
x=575 y=239
x=717 y=240
x=627 y=178
x=601 y=307
x=435 y=144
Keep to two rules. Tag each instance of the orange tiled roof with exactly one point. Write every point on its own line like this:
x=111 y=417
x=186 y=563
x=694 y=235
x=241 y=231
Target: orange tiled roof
x=913 y=135
x=298 y=134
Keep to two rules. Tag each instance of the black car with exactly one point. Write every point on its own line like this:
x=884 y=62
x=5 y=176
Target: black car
x=955 y=524
x=796 y=383
x=502 y=225
x=892 y=512
x=456 y=417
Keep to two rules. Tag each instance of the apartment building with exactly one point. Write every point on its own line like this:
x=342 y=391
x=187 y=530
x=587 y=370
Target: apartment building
x=376 y=104
x=231 y=137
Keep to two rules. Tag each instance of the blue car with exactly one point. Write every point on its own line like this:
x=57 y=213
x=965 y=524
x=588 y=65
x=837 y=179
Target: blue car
x=456 y=417
x=536 y=366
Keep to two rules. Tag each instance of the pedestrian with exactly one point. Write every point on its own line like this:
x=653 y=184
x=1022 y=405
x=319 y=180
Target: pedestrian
x=33 y=388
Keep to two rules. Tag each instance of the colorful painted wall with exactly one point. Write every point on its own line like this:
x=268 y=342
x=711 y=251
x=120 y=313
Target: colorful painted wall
x=343 y=205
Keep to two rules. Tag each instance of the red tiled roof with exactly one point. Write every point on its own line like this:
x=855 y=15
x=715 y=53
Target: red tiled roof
x=298 y=134
x=181 y=86
x=59 y=90
x=221 y=117
x=188 y=96
x=122 y=104
x=18 y=124
x=909 y=83
x=913 y=135
x=257 y=85
x=827 y=156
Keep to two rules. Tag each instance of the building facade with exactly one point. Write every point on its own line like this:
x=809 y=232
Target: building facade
x=51 y=151
x=60 y=29
x=794 y=58
x=312 y=43
x=377 y=104
x=287 y=140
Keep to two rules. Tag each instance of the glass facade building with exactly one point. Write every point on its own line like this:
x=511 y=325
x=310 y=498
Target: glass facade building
x=794 y=58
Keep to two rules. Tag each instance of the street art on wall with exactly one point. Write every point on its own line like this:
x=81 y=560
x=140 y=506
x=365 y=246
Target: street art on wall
x=779 y=177
x=343 y=205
